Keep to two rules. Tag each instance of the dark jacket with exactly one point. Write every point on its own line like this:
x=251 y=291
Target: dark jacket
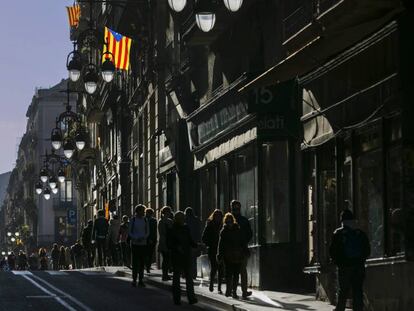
x=194 y=224
x=180 y=243
x=211 y=235
x=55 y=253
x=152 y=238
x=349 y=247
x=245 y=228
x=77 y=250
x=100 y=228
x=87 y=235
x=231 y=247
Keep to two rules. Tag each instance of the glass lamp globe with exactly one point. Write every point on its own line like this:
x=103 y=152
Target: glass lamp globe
x=46 y=194
x=233 y=5
x=68 y=149
x=55 y=190
x=3 y=253
x=17 y=234
x=9 y=233
x=74 y=75
x=44 y=175
x=74 y=69
x=61 y=176
x=13 y=239
x=80 y=141
x=177 y=5
x=108 y=70
x=52 y=182
x=205 y=20
x=56 y=139
x=91 y=81
x=39 y=188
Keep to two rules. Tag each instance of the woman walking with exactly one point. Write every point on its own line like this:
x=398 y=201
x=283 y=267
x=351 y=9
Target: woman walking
x=180 y=243
x=230 y=250
x=211 y=235
x=62 y=258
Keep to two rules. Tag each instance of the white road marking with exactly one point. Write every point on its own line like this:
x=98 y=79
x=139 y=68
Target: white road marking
x=56 y=272
x=58 y=299
x=57 y=290
x=22 y=272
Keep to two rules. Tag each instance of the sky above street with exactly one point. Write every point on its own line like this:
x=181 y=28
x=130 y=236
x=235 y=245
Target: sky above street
x=32 y=54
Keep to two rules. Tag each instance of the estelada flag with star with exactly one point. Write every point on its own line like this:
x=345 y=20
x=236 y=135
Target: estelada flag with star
x=119 y=46
x=74 y=15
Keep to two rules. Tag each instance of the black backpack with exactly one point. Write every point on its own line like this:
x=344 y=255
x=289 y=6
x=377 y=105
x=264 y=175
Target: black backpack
x=353 y=244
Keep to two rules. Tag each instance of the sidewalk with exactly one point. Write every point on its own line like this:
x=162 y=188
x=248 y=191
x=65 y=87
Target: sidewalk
x=259 y=301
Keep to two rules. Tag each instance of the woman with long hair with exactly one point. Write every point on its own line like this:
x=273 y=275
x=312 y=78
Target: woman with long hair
x=230 y=250
x=211 y=235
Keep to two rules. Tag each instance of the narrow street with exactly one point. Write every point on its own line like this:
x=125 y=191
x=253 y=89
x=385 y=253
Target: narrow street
x=81 y=290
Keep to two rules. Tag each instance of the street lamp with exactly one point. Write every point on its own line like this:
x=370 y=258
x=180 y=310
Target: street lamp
x=3 y=253
x=177 y=5
x=52 y=182
x=74 y=65
x=90 y=79
x=44 y=175
x=80 y=141
x=61 y=175
x=9 y=234
x=55 y=190
x=13 y=239
x=39 y=188
x=68 y=148
x=233 y=5
x=56 y=138
x=46 y=194
x=17 y=234
x=108 y=67
x=205 y=20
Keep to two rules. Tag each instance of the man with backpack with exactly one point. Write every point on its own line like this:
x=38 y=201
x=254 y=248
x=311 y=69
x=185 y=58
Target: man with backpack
x=349 y=250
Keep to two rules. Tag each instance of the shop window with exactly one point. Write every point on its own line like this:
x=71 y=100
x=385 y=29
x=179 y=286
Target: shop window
x=276 y=191
x=246 y=186
x=327 y=217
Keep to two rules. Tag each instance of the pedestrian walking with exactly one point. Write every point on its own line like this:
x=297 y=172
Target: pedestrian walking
x=33 y=261
x=68 y=258
x=123 y=241
x=211 y=235
x=194 y=224
x=138 y=233
x=152 y=238
x=43 y=259
x=231 y=251
x=164 y=224
x=77 y=253
x=55 y=254
x=87 y=242
x=247 y=234
x=113 y=235
x=349 y=250
x=62 y=258
x=21 y=260
x=99 y=236
x=180 y=242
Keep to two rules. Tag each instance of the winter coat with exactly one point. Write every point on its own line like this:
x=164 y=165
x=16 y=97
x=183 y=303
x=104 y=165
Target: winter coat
x=123 y=232
x=55 y=254
x=113 y=231
x=194 y=224
x=164 y=224
x=152 y=238
x=62 y=259
x=231 y=247
x=180 y=243
x=87 y=235
x=100 y=228
x=245 y=228
x=211 y=235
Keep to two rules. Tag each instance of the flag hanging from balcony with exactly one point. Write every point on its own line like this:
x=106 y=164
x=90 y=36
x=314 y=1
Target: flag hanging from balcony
x=119 y=46
x=74 y=15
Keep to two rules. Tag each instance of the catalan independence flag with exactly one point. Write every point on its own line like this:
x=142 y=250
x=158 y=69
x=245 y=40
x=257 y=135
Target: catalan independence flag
x=119 y=46
x=74 y=15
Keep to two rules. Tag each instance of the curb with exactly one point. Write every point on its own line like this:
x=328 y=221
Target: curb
x=204 y=299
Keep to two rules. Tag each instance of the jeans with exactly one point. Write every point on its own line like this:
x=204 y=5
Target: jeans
x=149 y=256
x=243 y=274
x=125 y=252
x=232 y=277
x=185 y=270
x=165 y=263
x=100 y=246
x=351 y=277
x=214 y=268
x=138 y=253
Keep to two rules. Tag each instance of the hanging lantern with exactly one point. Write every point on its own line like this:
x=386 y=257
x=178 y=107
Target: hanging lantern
x=55 y=190
x=91 y=79
x=233 y=5
x=80 y=141
x=61 y=175
x=74 y=66
x=68 y=149
x=52 y=182
x=56 y=138
x=46 y=194
x=44 y=175
x=177 y=5
x=108 y=70
x=205 y=21
x=39 y=187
